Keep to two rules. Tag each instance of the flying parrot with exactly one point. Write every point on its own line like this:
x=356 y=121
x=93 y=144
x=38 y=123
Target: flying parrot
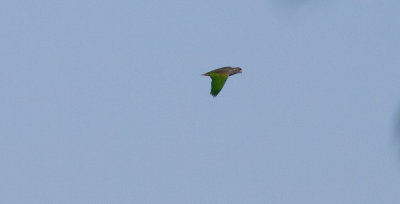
x=219 y=77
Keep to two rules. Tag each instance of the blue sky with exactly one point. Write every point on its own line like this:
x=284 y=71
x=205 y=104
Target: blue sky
x=104 y=102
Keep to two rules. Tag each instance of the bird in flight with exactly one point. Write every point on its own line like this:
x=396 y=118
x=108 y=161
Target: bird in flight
x=219 y=77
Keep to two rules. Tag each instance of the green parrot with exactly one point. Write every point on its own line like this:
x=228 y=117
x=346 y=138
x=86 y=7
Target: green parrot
x=219 y=77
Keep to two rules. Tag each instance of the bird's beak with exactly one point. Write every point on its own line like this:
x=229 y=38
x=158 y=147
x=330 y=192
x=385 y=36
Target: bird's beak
x=240 y=71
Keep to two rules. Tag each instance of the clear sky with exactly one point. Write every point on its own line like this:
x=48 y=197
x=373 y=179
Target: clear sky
x=104 y=102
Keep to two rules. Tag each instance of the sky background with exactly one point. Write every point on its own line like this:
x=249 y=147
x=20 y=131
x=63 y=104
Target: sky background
x=104 y=102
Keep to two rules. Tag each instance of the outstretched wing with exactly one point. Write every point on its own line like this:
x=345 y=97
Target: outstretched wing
x=218 y=81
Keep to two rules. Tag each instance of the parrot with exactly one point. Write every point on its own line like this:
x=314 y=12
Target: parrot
x=219 y=77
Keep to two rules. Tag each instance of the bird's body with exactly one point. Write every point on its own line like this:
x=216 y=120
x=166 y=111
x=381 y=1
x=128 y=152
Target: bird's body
x=219 y=77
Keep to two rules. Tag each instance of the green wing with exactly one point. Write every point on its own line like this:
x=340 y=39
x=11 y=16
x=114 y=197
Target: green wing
x=218 y=81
